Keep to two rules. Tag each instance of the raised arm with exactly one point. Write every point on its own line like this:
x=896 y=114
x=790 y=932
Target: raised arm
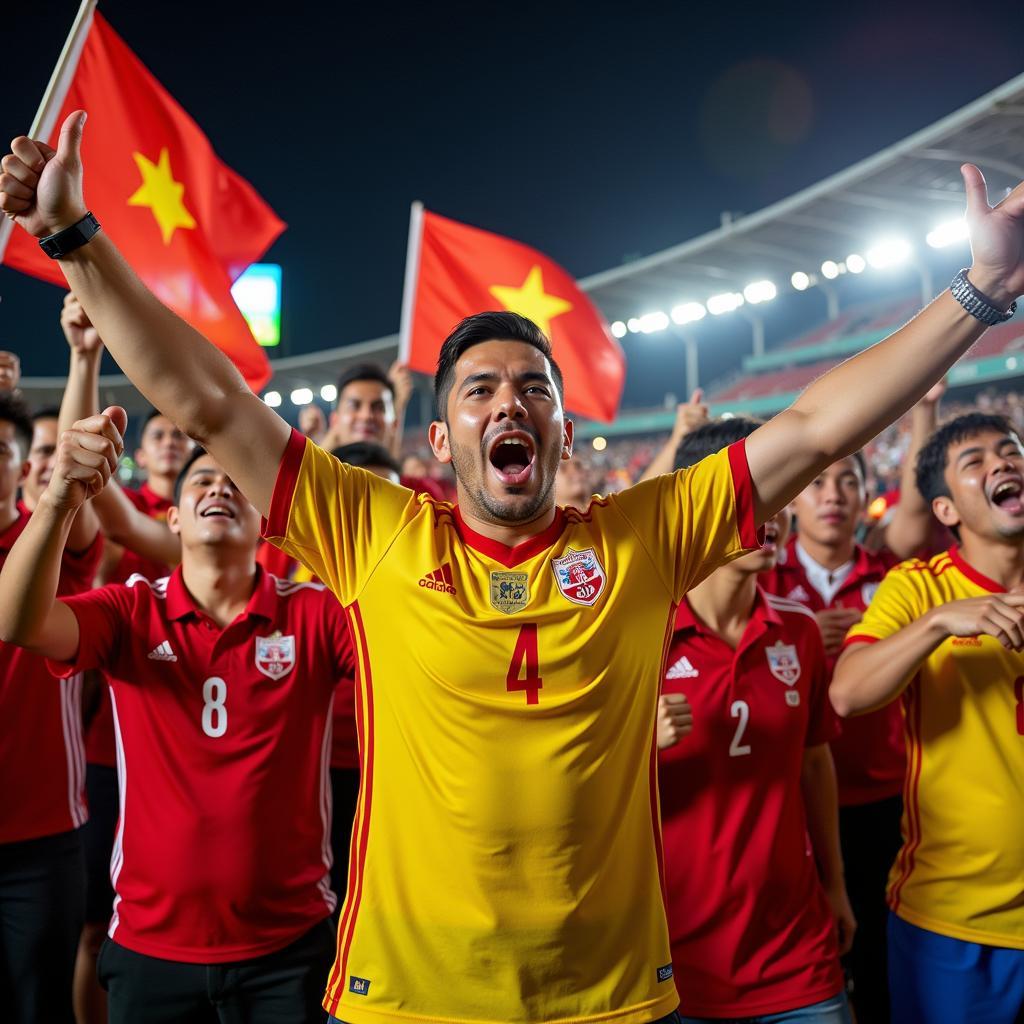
x=689 y=416
x=83 y=376
x=871 y=675
x=175 y=367
x=912 y=521
x=31 y=616
x=849 y=405
x=119 y=519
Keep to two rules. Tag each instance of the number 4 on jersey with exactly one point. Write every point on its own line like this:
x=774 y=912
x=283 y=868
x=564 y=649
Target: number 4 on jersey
x=525 y=656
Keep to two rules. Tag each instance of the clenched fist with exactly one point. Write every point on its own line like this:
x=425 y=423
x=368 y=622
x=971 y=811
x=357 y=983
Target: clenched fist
x=675 y=719
x=87 y=455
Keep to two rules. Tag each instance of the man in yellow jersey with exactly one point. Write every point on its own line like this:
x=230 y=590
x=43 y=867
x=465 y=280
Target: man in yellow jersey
x=506 y=850
x=947 y=635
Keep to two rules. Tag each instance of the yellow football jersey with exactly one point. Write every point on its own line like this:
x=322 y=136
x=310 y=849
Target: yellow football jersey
x=506 y=851
x=960 y=871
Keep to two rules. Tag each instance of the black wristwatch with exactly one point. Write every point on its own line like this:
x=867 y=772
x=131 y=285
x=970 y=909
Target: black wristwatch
x=60 y=244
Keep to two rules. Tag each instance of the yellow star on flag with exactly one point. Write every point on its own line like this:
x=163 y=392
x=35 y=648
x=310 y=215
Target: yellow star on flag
x=530 y=300
x=162 y=194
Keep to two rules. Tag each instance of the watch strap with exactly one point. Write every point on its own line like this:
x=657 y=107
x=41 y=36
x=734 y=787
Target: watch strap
x=979 y=305
x=61 y=243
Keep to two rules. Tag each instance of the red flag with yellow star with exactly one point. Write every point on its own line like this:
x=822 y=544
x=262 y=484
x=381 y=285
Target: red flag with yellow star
x=184 y=220
x=456 y=270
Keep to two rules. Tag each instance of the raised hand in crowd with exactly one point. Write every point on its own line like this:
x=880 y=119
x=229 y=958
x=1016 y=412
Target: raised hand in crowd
x=83 y=338
x=10 y=371
x=689 y=416
x=675 y=719
x=87 y=456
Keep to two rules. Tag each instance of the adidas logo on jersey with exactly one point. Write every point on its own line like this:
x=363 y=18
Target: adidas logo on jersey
x=798 y=593
x=682 y=669
x=439 y=579
x=162 y=652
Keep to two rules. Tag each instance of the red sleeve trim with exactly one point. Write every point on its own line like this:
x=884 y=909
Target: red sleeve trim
x=751 y=535
x=860 y=639
x=276 y=525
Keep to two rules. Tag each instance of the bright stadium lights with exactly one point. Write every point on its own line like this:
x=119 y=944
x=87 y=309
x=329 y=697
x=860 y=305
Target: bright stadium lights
x=688 y=313
x=800 y=281
x=855 y=263
x=949 y=233
x=830 y=269
x=888 y=253
x=302 y=396
x=619 y=329
x=760 y=291
x=651 y=323
x=599 y=444
x=272 y=398
x=328 y=392
x=633 y=325
x=724 y=303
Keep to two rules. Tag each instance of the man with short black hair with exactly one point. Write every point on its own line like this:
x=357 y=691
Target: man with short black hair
x=947 y=636
x=506 y=850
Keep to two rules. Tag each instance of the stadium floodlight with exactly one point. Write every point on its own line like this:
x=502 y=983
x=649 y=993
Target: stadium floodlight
x=949 y=233
x=830 y=269
x=800 y=281
x=688 y=313
x=619 y=329
x=760 y=291
x=633 y=325
x=855 y=263
x=329 y=392
x=272 y=398
x=724 y=303
x=651 y=323
x=302 y=396
x=890 y=252
x=599 y=444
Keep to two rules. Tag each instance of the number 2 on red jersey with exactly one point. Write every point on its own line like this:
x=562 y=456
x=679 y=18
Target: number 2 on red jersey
x=525 y=656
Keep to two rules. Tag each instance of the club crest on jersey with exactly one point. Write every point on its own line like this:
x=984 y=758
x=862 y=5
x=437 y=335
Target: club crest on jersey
x=580 y=576
x=793 y=698
x=510 y=591
x=275 y=655
x=783 y=662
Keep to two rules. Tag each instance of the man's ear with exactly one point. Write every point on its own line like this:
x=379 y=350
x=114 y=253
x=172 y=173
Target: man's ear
x=437 y=433
x=26 y=468
x=567 y=436
x=174 y=520
x=945 y=511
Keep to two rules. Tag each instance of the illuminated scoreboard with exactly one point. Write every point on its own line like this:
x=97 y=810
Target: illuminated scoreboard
x=257 y=293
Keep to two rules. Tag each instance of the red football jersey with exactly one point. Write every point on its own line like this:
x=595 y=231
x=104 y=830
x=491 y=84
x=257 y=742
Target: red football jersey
x=222 y=850
x=99 y=736
x=42 y=750
x=751 y=929
x=869 y=753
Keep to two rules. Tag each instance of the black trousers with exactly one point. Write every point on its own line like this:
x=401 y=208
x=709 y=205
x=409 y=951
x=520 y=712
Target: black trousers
x=98 y=840
x=285 y=987
x=42 y=907
x=870 y=839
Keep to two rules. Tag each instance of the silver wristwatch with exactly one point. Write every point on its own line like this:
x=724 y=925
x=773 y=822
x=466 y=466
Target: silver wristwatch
x=980 y=306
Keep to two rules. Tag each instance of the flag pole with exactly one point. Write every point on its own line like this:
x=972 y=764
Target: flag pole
x=412 y=272
x=56 y=92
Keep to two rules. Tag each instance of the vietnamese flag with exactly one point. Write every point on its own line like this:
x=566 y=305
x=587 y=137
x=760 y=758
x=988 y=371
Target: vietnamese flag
x=184 y=220
x=455 y=270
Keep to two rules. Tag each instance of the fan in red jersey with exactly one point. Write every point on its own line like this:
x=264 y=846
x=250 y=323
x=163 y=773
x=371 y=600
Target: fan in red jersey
x=163 y=449
x=753 y=908
x=827 y=571
x=42 y=764
x=222 y=679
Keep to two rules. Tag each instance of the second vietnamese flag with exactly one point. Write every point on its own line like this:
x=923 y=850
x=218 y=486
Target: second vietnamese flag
x=457 y=270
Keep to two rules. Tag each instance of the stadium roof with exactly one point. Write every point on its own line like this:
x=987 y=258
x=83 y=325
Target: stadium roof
x=906 y=188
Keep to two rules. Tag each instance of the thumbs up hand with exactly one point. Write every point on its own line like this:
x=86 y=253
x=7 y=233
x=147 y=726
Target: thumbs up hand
x=41 y=187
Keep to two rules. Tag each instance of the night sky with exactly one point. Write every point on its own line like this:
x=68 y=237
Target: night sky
x=595 y=132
